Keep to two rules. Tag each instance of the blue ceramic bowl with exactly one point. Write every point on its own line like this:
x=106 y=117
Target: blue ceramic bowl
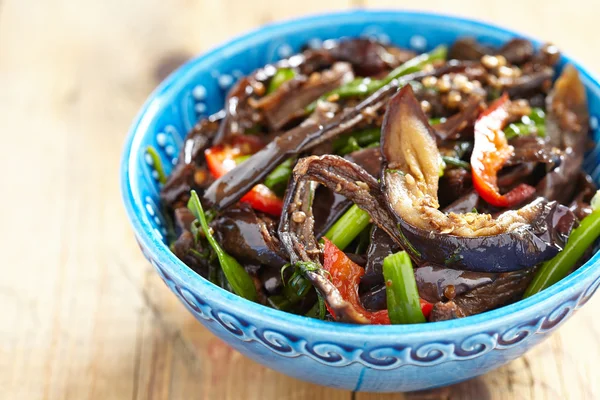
x=365 y=358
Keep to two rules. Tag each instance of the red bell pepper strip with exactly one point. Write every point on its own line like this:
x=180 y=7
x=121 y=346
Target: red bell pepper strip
x=490 y=153
x=426 y=307
x=221 y=159
x=263 y=199
x=346 y=275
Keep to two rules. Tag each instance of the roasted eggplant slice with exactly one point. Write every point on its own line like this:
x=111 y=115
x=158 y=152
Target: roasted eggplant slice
x=566 y=126
x=191 y=172
x=514 y=240
x=288 y=102
x=296 y=233
x=504 y=289
x=381 y=246
x=248 y=237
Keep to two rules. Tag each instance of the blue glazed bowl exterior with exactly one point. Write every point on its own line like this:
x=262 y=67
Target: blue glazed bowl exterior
x=365 y=358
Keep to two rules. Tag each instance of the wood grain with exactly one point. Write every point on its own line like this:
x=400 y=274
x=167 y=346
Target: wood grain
x=83 y=316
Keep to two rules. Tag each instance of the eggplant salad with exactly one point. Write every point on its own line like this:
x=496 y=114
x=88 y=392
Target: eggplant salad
x=363 y=183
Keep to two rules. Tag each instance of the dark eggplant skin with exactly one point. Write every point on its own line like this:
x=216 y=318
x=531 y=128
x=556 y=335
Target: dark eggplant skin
x=381 y=246
x=453 y=185
x=566 y=126
x=510 y=251
x=464 y=204
x=368 y=57
x=191 y=163
x=181 y=248
x=514 y=248
x=374 y=299
x=455 y=126
x=468 y=49
x=323 y=125
x=585 y=190
x=504 y=289
x=517 y=51
x=247 y=237
x=530 y=85
x=327 y=208
x=432 y=281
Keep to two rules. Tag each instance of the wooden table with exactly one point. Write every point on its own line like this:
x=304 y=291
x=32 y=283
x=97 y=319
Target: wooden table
x=83 y=316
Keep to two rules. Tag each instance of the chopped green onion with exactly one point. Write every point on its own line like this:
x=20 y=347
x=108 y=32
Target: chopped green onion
x=318 y=309
x=169 y=225
x=348 y=227
x=157 y=163
x=436 y=121
x=534 y=123
x=362 y=138
x=442 y=167
x=456 y=162
x=403 y=303
x=580 y=240
x=297 y=287
x=416 y=64
x=239 y=279
x=279 y=302
x=240 y=159
x=350 y=147
x=366 y=86
x=538 y=116
x=595 y=202
x=281 y=76
x=279 y=177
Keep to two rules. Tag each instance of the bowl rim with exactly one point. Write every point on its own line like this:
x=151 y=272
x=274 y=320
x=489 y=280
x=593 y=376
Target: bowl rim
x=144 y=232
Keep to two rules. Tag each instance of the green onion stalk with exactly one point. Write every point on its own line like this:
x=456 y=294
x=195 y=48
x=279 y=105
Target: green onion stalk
x=579 y=241
x=241 y=282
x=281 y=76
x=403 y=302
x=535 y=123
x=157 y=163
x=348 y=227
x=360 y=87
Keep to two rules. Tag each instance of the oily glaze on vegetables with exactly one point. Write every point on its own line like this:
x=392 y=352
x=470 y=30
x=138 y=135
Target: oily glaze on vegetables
x=364 y=183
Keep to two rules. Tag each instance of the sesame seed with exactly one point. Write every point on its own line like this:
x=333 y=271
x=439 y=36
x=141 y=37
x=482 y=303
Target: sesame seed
x=494 y=81
x=489 y=61
x=444 y=84
x=501 y=61
x=460 y=80
x=333 y=97
x=259 y=88
x=298 y=217
x=505 y=72
x=467 y=88
x=429 y=81
x=454 y=98
x=428 y=68
x=362 y=185
x=425 y=106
